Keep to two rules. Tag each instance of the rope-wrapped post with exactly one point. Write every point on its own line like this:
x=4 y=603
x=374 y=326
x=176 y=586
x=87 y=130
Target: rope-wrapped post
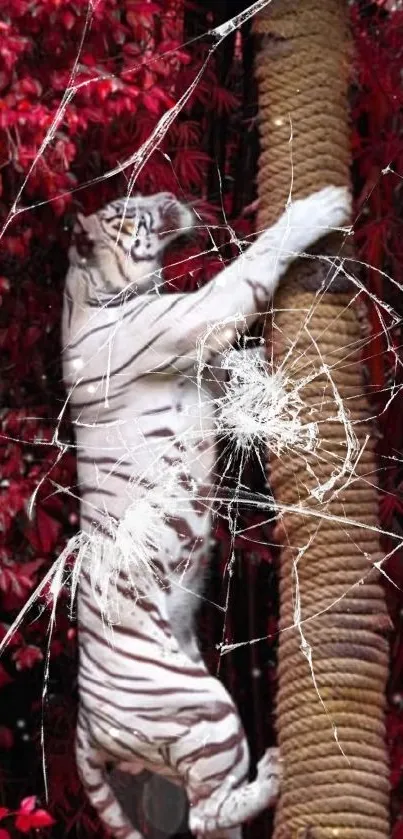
x=333 y=654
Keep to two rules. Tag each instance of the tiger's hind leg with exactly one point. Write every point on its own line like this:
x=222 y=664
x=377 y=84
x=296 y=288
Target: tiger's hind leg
x=91 y=765
x=228 y=807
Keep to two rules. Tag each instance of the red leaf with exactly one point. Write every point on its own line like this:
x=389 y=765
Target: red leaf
x=4 y=834
x=18 y=579
x=151 y=103
x=29 y=818
x=27 y=805
x=48 y=530
x=164 y=97
x=4 y=811
x=26 y=657
x=41 y=819
x=68 y=19
x=23 y=823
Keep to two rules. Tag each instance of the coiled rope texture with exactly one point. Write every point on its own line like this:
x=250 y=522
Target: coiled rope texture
x=333 y=665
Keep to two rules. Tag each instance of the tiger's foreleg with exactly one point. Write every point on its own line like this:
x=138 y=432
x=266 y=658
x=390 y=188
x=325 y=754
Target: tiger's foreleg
x=234 y=299
x=93 y=775
x=227 y=807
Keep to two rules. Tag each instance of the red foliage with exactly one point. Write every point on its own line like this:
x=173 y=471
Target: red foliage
x=378 y=153
x=72 y=82
x=25 y=657
x=26 y=818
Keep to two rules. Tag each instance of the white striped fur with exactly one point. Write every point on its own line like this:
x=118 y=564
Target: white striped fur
x=141 y=412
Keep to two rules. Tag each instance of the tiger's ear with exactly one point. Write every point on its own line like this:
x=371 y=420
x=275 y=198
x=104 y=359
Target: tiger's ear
x=81 y=219
x=86 y=223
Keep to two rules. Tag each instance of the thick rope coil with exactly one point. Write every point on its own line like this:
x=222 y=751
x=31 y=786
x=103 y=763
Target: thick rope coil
x=333 y=655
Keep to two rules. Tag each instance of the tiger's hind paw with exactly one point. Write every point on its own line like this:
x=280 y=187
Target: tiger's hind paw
x=269 y=773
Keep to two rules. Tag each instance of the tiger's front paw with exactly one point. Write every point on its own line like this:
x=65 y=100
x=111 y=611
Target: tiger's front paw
x=331 y=206
x=310 y=218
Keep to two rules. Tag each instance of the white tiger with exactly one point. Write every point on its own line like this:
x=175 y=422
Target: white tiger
x=142 y=413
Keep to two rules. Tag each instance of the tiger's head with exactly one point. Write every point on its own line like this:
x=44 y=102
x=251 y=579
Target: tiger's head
x=125 y=240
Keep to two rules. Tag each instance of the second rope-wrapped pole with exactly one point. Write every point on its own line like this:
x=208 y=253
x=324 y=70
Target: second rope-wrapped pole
x=333 y=656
